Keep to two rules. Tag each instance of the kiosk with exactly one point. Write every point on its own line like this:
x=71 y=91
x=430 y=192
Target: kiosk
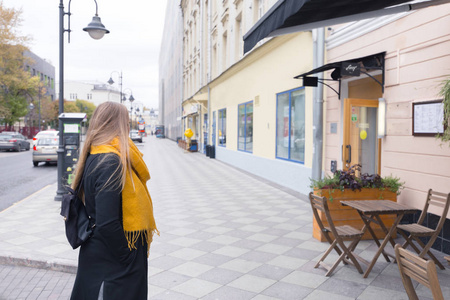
x=71 y=142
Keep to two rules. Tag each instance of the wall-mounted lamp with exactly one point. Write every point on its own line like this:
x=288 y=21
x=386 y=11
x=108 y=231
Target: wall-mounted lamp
x=381 y=118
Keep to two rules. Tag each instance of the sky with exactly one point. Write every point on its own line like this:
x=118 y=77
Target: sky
x=132 y=46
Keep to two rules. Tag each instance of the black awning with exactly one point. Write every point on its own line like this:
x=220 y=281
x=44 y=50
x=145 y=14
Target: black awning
x=293 y=13
x=368 y=63
x=350 y=67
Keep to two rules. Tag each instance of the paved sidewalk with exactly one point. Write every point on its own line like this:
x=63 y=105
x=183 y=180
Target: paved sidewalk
x=224 y=235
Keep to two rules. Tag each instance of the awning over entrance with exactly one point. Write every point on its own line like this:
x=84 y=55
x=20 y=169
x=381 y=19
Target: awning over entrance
x=351 y=68
x=368 y=63
x=288 y=16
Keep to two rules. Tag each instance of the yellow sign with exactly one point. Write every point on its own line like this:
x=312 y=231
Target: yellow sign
x=363 y=134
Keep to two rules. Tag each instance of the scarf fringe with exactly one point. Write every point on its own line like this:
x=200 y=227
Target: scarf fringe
x=146 y=234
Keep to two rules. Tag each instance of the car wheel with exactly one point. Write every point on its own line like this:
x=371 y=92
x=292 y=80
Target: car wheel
x=35 y=163
x=28 y=147
x=17 y=149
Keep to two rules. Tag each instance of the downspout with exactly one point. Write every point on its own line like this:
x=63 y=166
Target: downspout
x=201 y=137
x=201 y=70
x=181 y=82
x=318 y=61
x=208 y=77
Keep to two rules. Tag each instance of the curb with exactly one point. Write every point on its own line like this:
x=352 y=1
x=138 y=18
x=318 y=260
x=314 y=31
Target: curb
x=31 y=263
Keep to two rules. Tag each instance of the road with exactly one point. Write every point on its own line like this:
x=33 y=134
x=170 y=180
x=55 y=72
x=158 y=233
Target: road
x=19 y=179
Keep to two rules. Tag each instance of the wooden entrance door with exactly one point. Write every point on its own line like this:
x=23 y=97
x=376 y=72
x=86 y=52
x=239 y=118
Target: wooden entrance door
x=361 y=143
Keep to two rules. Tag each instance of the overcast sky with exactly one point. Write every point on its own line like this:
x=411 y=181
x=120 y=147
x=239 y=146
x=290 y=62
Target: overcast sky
x=132 y=46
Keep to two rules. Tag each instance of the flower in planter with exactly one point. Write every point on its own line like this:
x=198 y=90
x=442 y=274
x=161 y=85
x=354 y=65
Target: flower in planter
x=348 y=179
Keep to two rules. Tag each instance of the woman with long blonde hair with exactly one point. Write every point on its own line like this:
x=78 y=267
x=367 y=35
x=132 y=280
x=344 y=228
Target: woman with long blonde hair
x=112 y=263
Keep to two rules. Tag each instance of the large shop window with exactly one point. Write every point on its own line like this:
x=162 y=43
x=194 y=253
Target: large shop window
x=245 y=127
x=291 y=125
x=222 y=127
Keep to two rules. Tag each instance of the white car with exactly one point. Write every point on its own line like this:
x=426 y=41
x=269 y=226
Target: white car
x=45 y=133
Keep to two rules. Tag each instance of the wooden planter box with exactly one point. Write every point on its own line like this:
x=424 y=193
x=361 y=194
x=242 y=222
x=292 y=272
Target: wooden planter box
x=344 y=215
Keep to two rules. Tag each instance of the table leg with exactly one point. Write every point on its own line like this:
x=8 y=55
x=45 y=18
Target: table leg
x=383 y=227
x=367 y=221
x=383 y=244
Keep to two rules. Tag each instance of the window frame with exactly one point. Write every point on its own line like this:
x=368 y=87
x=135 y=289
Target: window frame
x=290 y=124
x=245 y=113
x=220 y=126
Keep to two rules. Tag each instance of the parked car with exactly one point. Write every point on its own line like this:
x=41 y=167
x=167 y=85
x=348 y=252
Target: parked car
x=13 y=142
x=45 y=150
x=44 y=133
x=135 y=136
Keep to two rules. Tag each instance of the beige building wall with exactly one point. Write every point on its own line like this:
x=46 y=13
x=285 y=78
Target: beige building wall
x=258 y=78
x=417 y=61
x=217 y=75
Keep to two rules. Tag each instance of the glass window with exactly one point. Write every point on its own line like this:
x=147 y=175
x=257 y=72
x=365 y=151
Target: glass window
x=245 y=127
x=214 y=128
x=222 y=127
x=291 y=125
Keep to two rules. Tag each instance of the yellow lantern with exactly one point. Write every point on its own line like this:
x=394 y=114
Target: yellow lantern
x=188 y=133
x=363 y=134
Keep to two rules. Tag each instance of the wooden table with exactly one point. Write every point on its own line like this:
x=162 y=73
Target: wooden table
x=370 y=211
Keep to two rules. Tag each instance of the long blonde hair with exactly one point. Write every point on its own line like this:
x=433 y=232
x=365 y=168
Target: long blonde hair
x=110 y=120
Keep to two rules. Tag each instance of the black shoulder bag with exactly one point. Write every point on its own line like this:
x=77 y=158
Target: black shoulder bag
x=77 y=221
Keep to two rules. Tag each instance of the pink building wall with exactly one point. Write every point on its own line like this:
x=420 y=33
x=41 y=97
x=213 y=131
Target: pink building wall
x=417 y=50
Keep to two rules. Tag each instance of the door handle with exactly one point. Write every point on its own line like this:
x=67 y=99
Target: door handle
x=349 y=147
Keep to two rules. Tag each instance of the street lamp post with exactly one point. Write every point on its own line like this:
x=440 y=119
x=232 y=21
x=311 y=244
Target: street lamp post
x=96 y=30
x=30 y=123
x=39 y=105
x=136 y=117
x=131 y=99
x=111 y=81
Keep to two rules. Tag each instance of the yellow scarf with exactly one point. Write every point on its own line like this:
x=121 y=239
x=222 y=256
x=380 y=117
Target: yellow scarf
x=137 y=207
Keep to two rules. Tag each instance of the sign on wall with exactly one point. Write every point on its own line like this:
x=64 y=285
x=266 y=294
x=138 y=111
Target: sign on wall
x=428 y=118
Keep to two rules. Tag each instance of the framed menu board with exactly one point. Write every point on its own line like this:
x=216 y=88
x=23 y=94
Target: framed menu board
x=428 y=118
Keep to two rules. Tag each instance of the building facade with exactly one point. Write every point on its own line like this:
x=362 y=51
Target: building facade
x=391 y=125
x=94 y=92
x=170 y=72
x=44 y=70
x=255 y=119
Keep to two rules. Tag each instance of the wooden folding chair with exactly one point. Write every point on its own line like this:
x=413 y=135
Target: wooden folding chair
x=419 y=269
x=417 y=230
x=339 y=233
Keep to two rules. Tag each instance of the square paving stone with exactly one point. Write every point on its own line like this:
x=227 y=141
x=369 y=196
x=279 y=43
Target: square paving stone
x=168 y=279
x=271 y=272
x=220 y=276
x=343 y=287
x=320 y=295
x=192 y=269
x=287 y=291
x=252 y=283
x=305 y=279
x=240 y=265
x=213 y=259
x=196 y=288
x=227 y=293
x=376 y=293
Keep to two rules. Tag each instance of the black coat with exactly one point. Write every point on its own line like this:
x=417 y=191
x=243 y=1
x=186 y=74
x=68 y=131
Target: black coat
x=105 y=263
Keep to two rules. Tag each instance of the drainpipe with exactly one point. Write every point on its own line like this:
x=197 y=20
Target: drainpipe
x=208 y=77
x=201 y=69
x=318 y=61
